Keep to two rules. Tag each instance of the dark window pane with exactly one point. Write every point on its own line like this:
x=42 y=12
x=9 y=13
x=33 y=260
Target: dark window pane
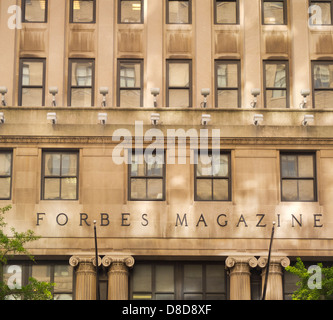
x=289 y=190
x=289 y=166
x=192 y=278
x=215 y=279
x=204 y=189
x=142 y=277
x=5 y=164
x=165 y=278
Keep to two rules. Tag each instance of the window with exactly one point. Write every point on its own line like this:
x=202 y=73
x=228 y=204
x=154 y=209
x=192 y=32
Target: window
x=32 y=82
x=178 y=281
x=130 y=11
x=179 y=83
x=213 y=177
x=34 y=10
x=5 y=175
x=147 y=176
x=81 y=82
x=227 y=84
x=274 y=12
x=179 y=12
x=83 y=11
x=322 y=83
x=130 y=83
x=60 y=175
x=17 y=275
x=298 y=177
x=226 y=12
x=321 y=12
x=276 y=82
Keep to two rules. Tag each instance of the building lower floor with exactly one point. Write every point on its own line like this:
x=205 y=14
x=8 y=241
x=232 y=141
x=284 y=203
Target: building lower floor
x=125 y=277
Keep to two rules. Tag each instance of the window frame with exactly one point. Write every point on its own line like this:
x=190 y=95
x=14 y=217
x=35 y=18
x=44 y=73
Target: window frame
x=178 y=267
x=141 y=13
x=70 y=87
x=314 y=89
x=71 y=13
x=331 y=12
x=60 y=177
x=285 y=13
x=45 y=20
x=27 y=272
x=237 y=12
x=211 y=177
x=314 y=178
x=287 y=89
x=5 y=151
x=190 y=86
x=189 y=12
x=119 y=88
x=21 y=86
x=217 y=88
x=146 y=178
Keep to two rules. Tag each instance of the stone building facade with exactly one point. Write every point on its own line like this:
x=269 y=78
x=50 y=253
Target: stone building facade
x=94 y=85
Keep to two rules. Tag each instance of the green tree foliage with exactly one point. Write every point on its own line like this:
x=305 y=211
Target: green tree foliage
x=14 y=244
x=323 y=288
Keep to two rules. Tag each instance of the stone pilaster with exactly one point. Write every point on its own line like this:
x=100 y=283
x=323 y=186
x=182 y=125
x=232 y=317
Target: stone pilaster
x=118 y=275
x=274 y=289
x=240 y=285
x=85 y=270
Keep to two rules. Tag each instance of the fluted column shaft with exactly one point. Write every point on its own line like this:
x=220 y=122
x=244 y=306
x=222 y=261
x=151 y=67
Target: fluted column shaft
x=274 y=289
x=240 y=285
x=85 y=270
x=118 y=276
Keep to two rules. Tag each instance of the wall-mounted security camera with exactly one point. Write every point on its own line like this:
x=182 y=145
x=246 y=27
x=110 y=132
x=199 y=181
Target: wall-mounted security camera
x=102 y=118
x=205 y=93
x=307 y=118
x=3 y=91
x=2 y=118
x=205 y=119
x=304 y=93
x=54 y=92
x=52 y=117
x=257 y=119
x=155 y=118
x=104 y=91
x=255 y=93
x=155 y=92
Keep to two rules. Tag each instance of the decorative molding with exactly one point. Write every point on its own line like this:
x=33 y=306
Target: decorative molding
x=283 y=261
x=247 y=260
x=108 y=260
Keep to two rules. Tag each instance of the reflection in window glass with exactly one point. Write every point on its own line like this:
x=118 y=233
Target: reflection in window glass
x=274 y=12
x=5 y=175
x=179 y=12
x=323 y=84
x=131 y=11
x=226 y=12
x=83 y=11
x=34 y=10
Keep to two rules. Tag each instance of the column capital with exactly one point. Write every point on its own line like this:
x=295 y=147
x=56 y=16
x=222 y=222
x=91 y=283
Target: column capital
x=74 y=261
x=283 y=261
x=127 y=260
x=233 y=260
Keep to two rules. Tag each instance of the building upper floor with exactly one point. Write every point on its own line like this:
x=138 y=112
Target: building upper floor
x=134 y=50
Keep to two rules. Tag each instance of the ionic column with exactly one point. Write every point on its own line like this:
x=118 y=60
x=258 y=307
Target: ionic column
x=118 y=276
x=274 y=289
x=240 y=285
x=85 y=270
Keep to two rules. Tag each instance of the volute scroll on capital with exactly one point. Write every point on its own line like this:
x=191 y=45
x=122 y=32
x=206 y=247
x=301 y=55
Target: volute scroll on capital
x=284 y=261
x=233 y=260
x=74 y=261
x=128 y=261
